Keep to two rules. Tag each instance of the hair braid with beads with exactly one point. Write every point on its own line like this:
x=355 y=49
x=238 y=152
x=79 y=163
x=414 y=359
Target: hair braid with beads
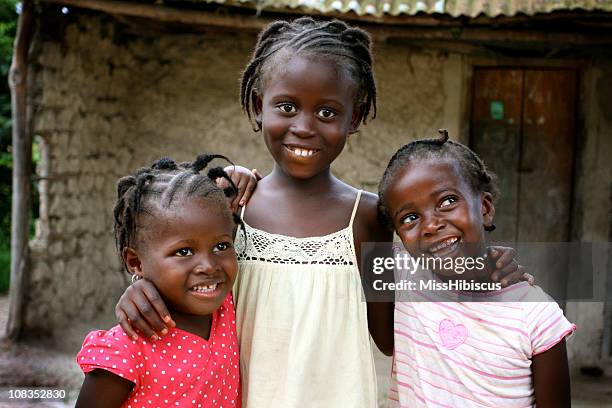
x=472 y=168
x=161 y=185
x=349 y=47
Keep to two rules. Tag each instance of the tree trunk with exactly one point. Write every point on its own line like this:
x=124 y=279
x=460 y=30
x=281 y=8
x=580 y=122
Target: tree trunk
x=22 y=171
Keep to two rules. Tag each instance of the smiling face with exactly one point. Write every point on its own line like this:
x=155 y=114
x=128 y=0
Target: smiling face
x=436 y=213
x=306 y=112
x=187 y=251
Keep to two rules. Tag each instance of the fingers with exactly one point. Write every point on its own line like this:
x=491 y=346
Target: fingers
x=158 y=304
x=508 y=269
x=152 y=312
x=502 y=255
x=248 y=191
x=241 y=184
x=136 y=320
x=508 y=274
x=244 y=180
x=141 y=308
x=257 y=174
x=147 y=320
x=124 y=322
x=511 y=278
x=529 y=278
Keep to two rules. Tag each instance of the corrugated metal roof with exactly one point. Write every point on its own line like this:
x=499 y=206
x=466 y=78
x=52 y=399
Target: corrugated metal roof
x=455 y=8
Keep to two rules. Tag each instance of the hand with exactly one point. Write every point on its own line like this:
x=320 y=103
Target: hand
x=142 y=308
x=507 y=270
x=246 y=181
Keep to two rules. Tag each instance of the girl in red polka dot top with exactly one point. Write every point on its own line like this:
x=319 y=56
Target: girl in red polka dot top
x=173 y=226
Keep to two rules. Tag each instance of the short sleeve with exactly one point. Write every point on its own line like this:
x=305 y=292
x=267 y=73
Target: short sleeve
x=112 y=351
x=546 y=324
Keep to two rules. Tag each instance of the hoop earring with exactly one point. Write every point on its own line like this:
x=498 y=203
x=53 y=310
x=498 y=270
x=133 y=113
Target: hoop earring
x=135 y=278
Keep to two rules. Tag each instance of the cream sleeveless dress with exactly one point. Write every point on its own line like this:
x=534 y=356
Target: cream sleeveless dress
x=301 y=321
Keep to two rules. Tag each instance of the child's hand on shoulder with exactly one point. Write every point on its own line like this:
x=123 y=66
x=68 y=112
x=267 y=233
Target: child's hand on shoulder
x=142 y=308
x=245 y=180
x=507 y=269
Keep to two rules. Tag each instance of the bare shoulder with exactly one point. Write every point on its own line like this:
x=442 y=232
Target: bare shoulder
x=367 y=220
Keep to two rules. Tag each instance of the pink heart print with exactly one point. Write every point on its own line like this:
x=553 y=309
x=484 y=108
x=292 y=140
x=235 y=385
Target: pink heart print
x=452 y=335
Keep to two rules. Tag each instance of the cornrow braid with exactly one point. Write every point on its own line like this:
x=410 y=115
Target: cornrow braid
x=163 y=184
x=473 y=169
x=349 y=47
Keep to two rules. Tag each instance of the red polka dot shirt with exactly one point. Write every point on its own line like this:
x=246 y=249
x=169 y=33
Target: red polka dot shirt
x=180 y=370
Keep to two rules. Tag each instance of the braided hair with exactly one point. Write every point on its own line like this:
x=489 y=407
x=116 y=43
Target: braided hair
x=162 y=185
x=473 y=169
x=349 y=47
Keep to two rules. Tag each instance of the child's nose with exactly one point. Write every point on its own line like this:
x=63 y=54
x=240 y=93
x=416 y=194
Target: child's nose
x=207 y=265
x=432 y=225
x=303 y=126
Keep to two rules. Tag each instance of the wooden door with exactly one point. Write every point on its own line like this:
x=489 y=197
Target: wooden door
x=523 y=127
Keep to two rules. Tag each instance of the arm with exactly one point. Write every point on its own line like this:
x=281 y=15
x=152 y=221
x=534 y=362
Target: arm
x=380 y=311
x=380 y=324
x=114 y=389
x=551 y=378
x=141 y=307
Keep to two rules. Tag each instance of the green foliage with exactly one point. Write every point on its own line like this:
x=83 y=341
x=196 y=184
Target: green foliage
x=8 y=24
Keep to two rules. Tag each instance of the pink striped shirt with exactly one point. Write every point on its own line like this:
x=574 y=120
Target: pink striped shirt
x=472 y=354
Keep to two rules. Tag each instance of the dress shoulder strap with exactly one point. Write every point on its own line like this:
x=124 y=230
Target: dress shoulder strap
x=242 y=212
x=355 y=208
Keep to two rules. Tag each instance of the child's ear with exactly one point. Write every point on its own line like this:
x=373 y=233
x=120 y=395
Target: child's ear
x=487 y=208
x=257 y=104
x=355 y=119
x=132 y=261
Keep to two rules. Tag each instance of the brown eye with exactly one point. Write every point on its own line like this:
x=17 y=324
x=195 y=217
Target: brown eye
x=184 y=252
x=222 y=246
x=287 y=108
x=446 y=201
x=409 y=218
x=326 y=113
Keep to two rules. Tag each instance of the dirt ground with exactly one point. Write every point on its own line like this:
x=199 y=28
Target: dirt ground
x=42 y=364
x=35 y=365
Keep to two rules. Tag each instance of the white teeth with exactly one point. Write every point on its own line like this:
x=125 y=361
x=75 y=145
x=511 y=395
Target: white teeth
x=205 y=289
x=444 y=244
x=302 y=152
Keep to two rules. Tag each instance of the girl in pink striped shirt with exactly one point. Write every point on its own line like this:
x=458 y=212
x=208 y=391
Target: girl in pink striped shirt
x=507 y=350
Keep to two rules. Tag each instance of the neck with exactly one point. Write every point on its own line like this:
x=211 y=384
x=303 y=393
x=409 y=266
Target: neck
x=199 y=325
x=313 y=185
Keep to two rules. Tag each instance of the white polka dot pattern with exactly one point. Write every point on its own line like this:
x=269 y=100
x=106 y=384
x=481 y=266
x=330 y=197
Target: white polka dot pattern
x=180 y=370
